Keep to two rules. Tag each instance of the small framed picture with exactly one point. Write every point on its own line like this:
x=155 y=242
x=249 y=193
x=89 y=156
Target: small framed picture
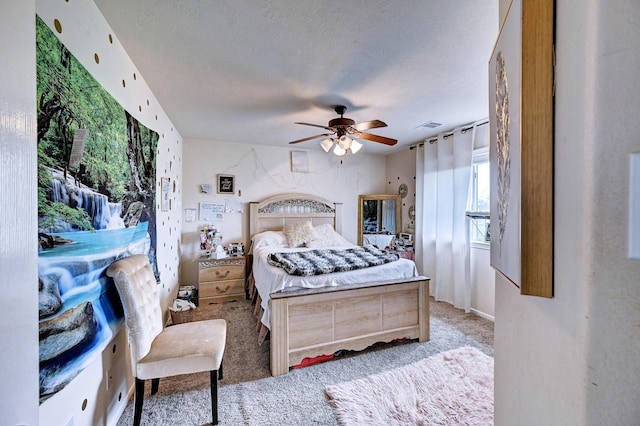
x=226 y=184
x=406 y=236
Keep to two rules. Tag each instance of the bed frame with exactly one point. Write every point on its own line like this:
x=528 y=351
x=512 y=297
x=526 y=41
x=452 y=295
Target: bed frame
x=312 y=322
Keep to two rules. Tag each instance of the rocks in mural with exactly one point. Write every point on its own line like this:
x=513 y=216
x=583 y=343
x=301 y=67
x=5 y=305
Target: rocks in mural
x=67 y=332
x=49 y=301
x=134 y=213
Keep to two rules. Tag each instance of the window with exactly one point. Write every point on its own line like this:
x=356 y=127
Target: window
x=478 y=206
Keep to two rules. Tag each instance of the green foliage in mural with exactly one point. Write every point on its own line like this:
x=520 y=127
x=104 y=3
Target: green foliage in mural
x=118 y=159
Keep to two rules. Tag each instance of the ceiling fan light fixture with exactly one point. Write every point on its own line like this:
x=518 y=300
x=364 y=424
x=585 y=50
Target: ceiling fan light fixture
x=326 y=144
x=345 y=142
x=355 y=146
x=339 y=151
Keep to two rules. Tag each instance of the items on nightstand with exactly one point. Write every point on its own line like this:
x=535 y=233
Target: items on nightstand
x=235 y=249
x=210 y=238
x=218 y=253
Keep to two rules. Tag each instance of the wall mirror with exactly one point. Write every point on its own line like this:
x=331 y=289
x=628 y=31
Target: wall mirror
x=379 y=219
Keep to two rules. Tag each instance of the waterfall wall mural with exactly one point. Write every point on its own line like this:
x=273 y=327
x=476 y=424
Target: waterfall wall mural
x=96 y=203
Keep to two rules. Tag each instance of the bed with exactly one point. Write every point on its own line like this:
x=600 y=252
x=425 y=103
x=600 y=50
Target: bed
x=313 y=316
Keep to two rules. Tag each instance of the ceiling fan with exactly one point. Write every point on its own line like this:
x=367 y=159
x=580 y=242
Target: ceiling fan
x=343 y=130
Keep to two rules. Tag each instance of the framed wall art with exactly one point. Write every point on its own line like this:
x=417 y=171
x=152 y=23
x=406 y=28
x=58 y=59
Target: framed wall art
x=226 y=184
x=521 y=147
x=165 y=200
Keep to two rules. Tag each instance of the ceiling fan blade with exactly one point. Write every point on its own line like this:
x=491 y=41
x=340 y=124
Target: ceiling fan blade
x=317 y=125
x=366 y=125
x=311 y=137
x=375 y=138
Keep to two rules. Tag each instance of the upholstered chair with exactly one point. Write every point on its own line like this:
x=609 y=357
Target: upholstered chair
x=158 y=351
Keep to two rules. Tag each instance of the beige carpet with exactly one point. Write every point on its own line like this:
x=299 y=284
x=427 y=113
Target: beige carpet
x=250 y=396
x=451 y=388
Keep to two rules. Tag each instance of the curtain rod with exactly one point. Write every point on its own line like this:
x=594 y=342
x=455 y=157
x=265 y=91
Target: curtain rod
x=446 y=135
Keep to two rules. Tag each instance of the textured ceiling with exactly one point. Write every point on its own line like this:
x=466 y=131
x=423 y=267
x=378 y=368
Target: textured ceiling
x=246 y=70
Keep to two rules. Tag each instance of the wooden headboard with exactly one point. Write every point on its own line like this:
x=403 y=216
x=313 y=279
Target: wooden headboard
x=274 y=213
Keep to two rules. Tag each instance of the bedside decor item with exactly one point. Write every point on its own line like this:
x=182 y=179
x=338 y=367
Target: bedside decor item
x=226 y=184
x=210 y=238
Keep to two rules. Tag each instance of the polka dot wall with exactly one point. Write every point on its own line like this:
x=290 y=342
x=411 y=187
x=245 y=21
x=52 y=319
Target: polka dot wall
x=101 y=390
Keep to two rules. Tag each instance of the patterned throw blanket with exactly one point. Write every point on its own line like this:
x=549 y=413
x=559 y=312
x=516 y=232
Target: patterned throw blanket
x=326 y=261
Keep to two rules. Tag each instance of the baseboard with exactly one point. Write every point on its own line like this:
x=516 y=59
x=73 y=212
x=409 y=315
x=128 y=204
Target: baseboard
x=483 y=315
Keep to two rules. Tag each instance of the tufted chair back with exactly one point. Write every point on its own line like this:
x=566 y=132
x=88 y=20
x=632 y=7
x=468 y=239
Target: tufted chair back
x=136 y=285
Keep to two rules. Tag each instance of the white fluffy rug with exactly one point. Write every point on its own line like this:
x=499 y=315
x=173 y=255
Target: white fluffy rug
x=450 y=388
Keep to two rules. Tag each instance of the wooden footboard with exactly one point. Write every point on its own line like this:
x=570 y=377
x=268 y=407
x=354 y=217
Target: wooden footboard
x=309 y=323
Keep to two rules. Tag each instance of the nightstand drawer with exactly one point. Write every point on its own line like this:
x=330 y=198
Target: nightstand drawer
x=219 y=273
x=221 y=288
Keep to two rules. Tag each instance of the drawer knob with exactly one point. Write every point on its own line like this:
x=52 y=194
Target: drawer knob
x=219 y=275
x=226 y=289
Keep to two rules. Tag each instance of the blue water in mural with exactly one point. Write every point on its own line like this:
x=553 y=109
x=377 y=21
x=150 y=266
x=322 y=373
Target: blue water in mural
x=79 y=269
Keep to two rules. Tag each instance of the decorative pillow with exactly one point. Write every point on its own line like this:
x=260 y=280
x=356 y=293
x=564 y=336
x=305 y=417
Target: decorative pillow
x=299 y=233
x=326 y=236
x=269 y=238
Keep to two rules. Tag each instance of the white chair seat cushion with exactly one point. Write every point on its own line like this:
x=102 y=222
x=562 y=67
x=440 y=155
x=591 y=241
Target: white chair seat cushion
x=185 y=348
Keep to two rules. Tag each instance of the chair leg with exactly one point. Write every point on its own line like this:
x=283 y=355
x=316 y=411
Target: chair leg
x=139 y=396
x=214 y=396
x=154 y=386
x=220 y=371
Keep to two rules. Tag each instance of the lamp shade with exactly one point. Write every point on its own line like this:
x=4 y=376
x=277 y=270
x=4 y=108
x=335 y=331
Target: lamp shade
x=355 y=146
x=326 y=144
x=345 y=142
x=339 y=151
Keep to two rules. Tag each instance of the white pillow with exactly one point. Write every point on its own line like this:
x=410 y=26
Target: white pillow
x=326 y=236
x=299 y=233
x=269 y=238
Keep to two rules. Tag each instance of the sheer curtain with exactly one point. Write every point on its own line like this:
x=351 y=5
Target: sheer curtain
x=443 y=172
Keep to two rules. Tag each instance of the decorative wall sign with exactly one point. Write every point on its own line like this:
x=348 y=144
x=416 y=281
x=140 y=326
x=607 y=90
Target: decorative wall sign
x=521 y=147
x=226 y=184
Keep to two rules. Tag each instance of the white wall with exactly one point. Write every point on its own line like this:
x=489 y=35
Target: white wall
x=85 y=33
x=401 y=168
x=262 y=171
x=18 y=216
x=573 y=359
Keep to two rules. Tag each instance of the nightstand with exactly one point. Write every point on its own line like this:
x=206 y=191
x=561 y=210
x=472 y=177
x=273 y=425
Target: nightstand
x=221 y=280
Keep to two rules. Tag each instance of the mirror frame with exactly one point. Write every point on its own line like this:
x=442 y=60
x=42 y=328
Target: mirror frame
x=379 y=197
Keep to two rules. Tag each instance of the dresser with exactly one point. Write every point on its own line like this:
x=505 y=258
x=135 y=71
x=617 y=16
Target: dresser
x=221 y=280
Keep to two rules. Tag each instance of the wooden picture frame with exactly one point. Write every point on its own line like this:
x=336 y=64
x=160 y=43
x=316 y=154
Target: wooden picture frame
x=226 y=184
x=521 y=147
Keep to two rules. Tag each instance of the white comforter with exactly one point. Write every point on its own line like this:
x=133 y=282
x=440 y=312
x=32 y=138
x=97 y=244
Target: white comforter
x=270 y=279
